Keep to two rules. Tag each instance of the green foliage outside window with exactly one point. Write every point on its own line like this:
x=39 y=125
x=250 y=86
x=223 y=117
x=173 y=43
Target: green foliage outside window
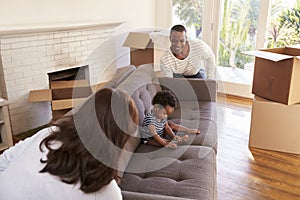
x=237 y=33
x=237 y=30
x=285 y=28
x=239 y=25
x=190 y=11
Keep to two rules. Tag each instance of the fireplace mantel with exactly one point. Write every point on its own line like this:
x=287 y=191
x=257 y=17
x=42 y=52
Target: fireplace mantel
x=24 y=29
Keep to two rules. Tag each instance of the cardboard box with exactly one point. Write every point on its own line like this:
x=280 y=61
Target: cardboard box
x=275 y=126
x=277 y=74
x=147 y=47
x=64 y=95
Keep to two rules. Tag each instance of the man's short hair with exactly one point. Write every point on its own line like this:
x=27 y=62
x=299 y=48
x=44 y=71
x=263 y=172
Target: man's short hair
x=164 y=98
x=178 y=28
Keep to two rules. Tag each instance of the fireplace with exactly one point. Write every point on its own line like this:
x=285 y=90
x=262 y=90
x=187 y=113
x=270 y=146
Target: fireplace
x=28 y=55
x=68 y=88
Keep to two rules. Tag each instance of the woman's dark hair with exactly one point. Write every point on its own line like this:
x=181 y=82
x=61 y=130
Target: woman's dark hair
x=75 y=160
x=178 y=28
x=164 y=98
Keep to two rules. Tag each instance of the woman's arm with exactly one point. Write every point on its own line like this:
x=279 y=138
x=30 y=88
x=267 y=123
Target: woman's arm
x=9 y=155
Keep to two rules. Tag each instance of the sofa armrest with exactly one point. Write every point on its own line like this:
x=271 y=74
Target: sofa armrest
x=142 y=196
x=191 y=89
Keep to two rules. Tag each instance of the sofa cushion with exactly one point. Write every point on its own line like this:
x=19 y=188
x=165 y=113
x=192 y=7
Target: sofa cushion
x=186 y=172
x=201 y=115
x=142 y=196
x=141 y=85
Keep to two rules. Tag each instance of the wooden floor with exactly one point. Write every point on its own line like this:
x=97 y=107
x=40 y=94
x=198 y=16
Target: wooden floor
x=251 y=174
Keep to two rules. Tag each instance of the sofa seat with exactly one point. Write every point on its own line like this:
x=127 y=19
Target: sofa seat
x=201 y=115
x=188 y=172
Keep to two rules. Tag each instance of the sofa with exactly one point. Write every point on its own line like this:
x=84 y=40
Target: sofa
x=187 y=172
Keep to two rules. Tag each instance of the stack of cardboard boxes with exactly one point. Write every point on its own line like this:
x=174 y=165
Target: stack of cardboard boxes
x=276 y=105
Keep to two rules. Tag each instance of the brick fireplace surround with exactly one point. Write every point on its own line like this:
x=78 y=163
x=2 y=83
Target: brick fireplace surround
x=27 y=54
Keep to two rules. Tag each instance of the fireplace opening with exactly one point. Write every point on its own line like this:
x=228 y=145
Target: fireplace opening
x=69 y=87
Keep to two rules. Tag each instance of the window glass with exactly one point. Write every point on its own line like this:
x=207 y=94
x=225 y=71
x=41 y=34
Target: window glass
x=189 y=14
x=283 y=24
x=238 y=28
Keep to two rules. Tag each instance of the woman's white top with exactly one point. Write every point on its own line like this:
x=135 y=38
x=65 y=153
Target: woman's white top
x=20 y=177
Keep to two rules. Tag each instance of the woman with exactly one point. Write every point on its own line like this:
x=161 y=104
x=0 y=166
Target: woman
x=76 y=158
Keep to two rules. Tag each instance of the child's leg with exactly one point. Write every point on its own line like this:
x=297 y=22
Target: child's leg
x=155 y=143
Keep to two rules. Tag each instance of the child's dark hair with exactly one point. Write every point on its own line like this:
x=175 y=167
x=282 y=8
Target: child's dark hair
x=164 y=98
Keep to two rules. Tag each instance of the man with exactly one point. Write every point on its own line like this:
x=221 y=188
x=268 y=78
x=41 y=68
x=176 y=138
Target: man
x=187 y=58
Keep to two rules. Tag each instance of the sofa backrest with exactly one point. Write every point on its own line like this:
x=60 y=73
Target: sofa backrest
x=191 y=89
x=121 y=74
x=141 y=85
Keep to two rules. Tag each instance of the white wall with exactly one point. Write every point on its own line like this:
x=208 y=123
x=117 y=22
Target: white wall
x=15 y=14
x=135 y=13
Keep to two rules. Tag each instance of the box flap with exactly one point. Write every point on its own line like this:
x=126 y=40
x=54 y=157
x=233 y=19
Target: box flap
x=3 y=102
x=137 y=40
x=268 y=55
x=40 y=95
x=69 y=84
x=66 y=103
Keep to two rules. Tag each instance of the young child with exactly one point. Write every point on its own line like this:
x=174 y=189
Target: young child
x=156 y=127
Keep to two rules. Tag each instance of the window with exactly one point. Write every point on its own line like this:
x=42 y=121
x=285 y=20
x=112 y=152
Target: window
x=283 y=24
x=233 y=26
x=189 y=14
x=237 y=34
x=238 y=29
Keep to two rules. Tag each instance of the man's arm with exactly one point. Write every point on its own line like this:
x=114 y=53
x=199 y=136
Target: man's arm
x=165 y=66
x=210 y=59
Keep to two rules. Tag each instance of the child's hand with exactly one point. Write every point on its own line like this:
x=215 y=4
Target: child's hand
x=177 y=138
x=194 y=131
x=185 y=138
x=172 y=145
